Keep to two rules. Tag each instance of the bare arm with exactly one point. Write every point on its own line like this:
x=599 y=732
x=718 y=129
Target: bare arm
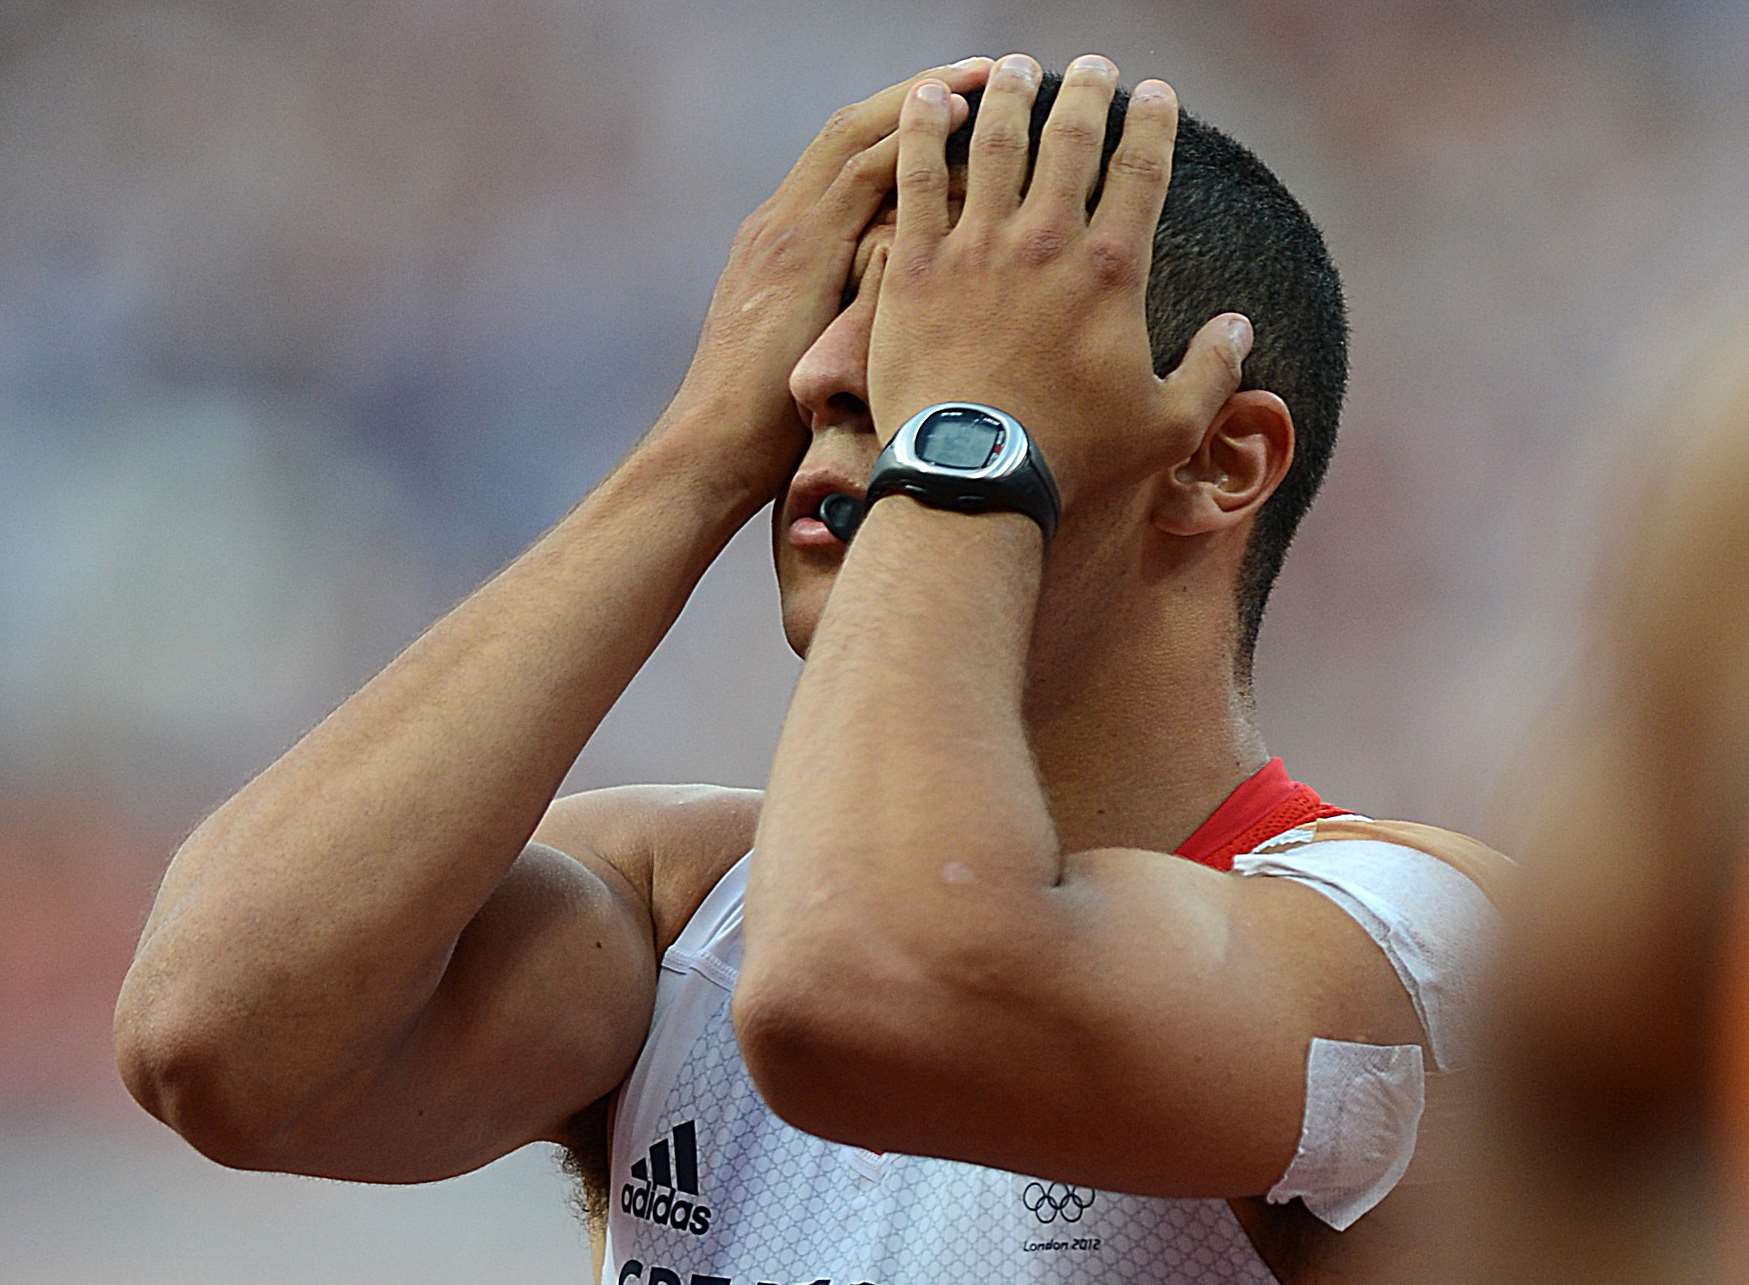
x=360 y=965
x=926 y=969
x=327 y=936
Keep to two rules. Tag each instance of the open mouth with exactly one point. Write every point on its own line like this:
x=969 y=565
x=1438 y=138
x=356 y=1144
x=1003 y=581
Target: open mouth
x=824 y=511
x=833 y=521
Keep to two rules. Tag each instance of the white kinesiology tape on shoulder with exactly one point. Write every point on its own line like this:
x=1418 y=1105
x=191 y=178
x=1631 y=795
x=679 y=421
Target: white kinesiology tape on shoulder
x=1434 y=926
x=1363 y=1113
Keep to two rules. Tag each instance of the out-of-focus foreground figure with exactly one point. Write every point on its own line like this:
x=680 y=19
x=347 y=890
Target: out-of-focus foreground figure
x=1621 y=1151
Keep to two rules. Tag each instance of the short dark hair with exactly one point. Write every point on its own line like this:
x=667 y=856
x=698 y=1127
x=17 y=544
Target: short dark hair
x=1233 y=239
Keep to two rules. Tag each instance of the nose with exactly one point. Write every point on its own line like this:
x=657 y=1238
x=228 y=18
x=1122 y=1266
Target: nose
x=830 y=382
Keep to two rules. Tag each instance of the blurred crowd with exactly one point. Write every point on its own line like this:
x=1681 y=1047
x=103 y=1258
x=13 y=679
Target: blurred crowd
x=311 y=315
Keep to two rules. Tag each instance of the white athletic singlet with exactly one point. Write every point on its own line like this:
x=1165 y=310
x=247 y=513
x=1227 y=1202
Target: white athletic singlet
x=708 y=1187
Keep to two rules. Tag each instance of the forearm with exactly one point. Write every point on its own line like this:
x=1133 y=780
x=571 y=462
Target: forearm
x=904 y=793
x=355 y=861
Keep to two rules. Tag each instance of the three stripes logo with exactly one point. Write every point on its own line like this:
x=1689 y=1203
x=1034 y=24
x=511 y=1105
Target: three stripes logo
x=664 y=1186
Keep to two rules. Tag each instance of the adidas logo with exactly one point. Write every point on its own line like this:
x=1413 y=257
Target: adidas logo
x=664 y=1179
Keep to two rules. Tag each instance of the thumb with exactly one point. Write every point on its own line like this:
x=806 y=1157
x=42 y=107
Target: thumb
x=1213 y=365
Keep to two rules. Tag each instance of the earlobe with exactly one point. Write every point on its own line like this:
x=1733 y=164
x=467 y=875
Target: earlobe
x=1242 y=457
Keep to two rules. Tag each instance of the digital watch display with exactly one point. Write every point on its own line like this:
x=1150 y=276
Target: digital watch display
x=960 y=437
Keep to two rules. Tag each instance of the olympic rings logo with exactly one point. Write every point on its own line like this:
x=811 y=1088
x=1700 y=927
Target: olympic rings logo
x=1057 y=1200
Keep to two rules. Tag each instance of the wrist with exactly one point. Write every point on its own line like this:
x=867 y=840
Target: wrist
x=713 y=446
x=978 y=540
x=679 y=478
x=917 y=568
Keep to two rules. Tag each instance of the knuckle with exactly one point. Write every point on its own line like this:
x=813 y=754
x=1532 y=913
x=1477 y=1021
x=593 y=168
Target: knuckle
x=979 y=248
x=920 y=124
x=1075 y=131
x=1041 y=244
x=925 y=180
x=999 y=141
x=1113 y=264
x=908 y=267
x=751 y=226
x=862 y=169
x=780 y=244
x=1131 y=162
x=842 y=121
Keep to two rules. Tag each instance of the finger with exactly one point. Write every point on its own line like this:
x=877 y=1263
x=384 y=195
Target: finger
x=870 y=285
x=924 y=124
x=1069 y=151
x=996 y=168
x=1140 y=169
x=854 y=128
x=867 y=178
x=1213 y=366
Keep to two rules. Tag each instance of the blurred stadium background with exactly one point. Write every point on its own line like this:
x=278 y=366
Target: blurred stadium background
x=312 y=315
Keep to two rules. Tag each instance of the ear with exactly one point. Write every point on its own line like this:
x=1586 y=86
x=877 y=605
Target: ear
x=1236 y=466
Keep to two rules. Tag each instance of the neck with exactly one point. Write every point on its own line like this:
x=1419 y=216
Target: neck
x=1141 y=731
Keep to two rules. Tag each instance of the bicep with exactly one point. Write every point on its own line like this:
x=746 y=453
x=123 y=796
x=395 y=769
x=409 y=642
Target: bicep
x=541 y=1009
x=1149 y=1031
x=547 y=998
x=1202 y=993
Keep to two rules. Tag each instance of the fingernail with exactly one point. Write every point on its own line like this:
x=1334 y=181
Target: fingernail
x=1018 y=65
x=1240 y=336
x=932 y=91
x=1092 y=62
x=1151 y=89
x=972 y=62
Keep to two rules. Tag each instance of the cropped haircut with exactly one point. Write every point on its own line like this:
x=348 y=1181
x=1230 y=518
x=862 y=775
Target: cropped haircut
x=1233 y=239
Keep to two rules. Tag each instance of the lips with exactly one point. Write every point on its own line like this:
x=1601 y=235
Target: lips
x=801 y=509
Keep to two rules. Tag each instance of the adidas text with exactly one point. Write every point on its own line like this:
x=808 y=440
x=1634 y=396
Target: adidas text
x=666 y=1207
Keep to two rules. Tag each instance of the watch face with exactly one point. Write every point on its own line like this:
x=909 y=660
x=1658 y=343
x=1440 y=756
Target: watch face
x=959 y=438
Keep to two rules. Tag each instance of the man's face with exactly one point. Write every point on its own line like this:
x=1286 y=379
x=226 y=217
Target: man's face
x=830 y=388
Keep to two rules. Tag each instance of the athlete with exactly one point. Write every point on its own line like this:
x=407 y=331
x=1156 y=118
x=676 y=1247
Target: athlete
x=1032 y=964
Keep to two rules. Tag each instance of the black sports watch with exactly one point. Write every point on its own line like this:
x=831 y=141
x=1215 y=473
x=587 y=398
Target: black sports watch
x=970 y=458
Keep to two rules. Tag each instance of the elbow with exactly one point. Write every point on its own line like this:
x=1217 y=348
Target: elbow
x=796 y=1057
x=186 y=1077
x=832 y=1045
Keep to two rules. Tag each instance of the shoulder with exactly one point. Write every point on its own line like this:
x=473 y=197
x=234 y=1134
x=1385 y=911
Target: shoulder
x=1491 y=872
x=1428 y=898
x=671 y=843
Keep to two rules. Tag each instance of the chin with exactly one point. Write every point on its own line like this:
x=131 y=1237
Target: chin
x=801 y=616
x=802 y=593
